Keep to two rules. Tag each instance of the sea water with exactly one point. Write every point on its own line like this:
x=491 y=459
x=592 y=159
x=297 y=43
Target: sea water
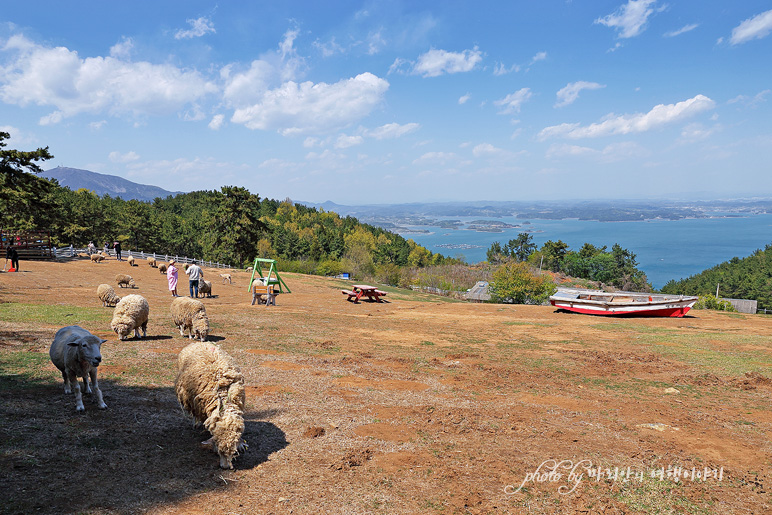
x=664 y=249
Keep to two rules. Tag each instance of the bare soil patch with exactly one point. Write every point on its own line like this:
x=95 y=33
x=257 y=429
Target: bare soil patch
x=411 y=406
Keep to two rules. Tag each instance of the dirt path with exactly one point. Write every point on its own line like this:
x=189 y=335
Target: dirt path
x=410 y=406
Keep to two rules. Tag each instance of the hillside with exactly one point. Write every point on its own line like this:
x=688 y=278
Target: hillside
x=410 y=406
x=104 y=184
x=739 y=278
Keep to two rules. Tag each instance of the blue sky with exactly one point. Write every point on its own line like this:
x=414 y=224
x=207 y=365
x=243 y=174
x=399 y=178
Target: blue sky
x=391 y=101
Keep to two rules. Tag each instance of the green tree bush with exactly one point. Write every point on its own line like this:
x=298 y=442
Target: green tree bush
x=516 y=282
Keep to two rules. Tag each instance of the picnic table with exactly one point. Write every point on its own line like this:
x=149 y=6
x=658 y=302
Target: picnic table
x=358 y=291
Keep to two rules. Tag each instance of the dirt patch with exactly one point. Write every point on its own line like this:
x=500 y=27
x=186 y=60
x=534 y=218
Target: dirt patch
x=401 y=407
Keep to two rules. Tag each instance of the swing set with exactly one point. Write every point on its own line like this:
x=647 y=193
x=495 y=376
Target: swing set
x=270 y=278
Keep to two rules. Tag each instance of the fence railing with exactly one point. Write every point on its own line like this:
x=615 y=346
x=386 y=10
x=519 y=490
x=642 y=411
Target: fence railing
x=71 y=252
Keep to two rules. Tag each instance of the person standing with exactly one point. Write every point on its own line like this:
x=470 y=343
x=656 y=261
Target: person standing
x=171 y=275
x=107 y=249
x=117 y=247
x=91 y=248
x=194 y=274
x=13 y=256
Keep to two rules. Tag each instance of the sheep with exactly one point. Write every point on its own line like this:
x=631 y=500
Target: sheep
x=210 y=387
x=107 y=295
x=190 y=314
x=130 y=314
x=76 y=352
x=151 y=261
x=125 y=281
x=162 y=268
x=131 y=261
x=83 y=254
x=96 y=258
x=226 y=277
x=205 y=287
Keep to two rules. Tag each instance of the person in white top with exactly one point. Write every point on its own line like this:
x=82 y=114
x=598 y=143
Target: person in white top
x=194 y=274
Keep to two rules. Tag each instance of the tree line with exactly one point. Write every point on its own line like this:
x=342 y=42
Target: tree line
x=231 y=225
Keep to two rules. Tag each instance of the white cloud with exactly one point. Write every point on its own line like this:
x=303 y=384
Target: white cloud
x=697 y=132
x=436 y=158
x=753 y=28
x=754 y=101
x=128 y=157
x=438 y=62
x=511 y=103
x=60 y=78
x=328 y=49
x=500 y=69
x=682 y=30
x=540 y=56
x=630 y=19
x=95 y=126
x=609 y=154
x=570 y=92
x=198 y=27
x=18 y=137
x=486 y=149
x=348 y=141
x=314 y=108
x=392 y=130
x=463 y=99
x=217 y=122
x=123 y=49
x=627 y=124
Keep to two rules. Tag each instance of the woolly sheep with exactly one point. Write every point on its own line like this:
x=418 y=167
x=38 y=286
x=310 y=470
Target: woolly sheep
x=107 y=295
x=205 y=287
x=130 y=314
x=76 y=353
x=131 y=261
x=96 y=258
x=190 y=314
x=124 y=280
x=162 y=268
x=151 y=261
x=226 y=277
x=83 y=254
x=210 y=387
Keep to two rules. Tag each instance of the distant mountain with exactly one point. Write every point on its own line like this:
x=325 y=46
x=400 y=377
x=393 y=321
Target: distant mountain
x=102 y=184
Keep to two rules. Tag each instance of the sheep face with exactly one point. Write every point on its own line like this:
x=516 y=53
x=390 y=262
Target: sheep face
x=201 y=326
x=122 y=330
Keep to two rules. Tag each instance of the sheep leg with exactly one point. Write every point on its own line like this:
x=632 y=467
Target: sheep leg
x=144 y=330
x=86 y=387
x=182 y=331
x=76 y=388
x=67 y=388
x=100 y=402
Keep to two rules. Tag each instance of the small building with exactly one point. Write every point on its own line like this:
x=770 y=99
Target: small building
x=479 y=292
x=744 y=305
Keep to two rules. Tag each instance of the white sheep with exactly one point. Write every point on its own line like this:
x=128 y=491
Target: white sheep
x=107 y=295
x=205 y=287
x=131 y=261
x=210 y=387
x=162 y=268
x=130 y=314
x=96 y=258
x=76 y=353
x=190 y=314
x=151 y=261
x=226 y=277
x=124 y=280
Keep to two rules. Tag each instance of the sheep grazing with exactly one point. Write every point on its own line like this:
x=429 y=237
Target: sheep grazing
x=125 y=281
x=130 y=314
x=131 y=261
x=83 y=254
x=96 y=258
x=151 y=261
x=162 y=268
x=190 y=314
x=205 y=287
x=210 y=387
x=226 y=277
x=107 y=295
x=76 y=353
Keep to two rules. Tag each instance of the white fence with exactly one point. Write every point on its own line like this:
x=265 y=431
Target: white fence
x=71 y=252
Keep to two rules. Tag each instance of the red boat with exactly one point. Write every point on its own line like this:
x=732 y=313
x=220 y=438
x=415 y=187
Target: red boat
x=622 y=303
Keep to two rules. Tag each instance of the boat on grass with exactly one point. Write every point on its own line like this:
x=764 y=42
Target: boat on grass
x=622 y=303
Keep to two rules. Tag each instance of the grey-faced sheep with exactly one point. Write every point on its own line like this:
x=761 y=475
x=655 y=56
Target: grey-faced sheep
x=226 y=277
x=205 y=287
x=76 y=353
x=190 y=315
x=130 y=260
x=96 y=258
x=162 y=268
x=107 y=295
x=124 y=280
x=130 y=314
x=210 y=387
x=151 y=261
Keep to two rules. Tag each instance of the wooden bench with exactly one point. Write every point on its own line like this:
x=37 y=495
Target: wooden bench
x=264 y=295
x=351 y=294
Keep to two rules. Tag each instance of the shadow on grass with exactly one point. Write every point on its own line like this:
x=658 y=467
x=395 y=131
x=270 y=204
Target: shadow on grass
x=141 y=451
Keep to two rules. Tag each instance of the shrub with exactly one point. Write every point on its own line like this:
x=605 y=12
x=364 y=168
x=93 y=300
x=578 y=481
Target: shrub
x=516 y=282
x=711 y=302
